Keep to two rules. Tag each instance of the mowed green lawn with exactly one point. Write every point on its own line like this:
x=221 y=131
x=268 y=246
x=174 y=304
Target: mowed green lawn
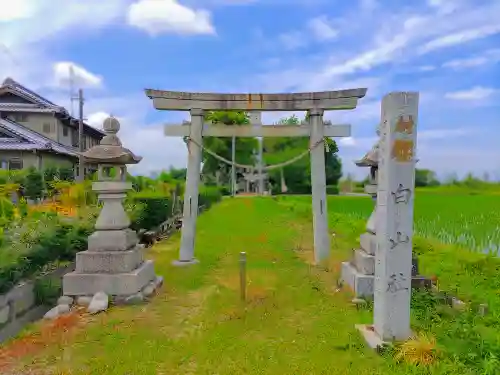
x=295 y=320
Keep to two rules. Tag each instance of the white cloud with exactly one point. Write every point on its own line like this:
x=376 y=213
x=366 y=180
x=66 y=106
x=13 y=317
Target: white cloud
x=12 y=11
x=399 y=36
x=293 y=40
x=96 y=119
x=427 y=68
x=475 y=93
x=460 y=37
x=82 y=77
x=444 y=6
x=168 y=16
x=488 y=57
x=30 y=29
x=30 y=25
x=321 y=29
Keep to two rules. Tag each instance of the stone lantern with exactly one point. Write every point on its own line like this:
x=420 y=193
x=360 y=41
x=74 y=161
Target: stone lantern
x=114 y=261
x=359 y=272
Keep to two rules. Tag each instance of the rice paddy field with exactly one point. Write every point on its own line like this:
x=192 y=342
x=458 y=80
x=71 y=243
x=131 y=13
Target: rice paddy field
x=468 y=221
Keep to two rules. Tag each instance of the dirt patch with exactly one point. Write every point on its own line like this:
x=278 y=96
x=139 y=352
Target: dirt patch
x=48 y=333
x=261 y=279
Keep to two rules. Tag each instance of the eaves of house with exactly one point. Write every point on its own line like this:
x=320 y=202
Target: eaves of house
x=20 y=138
x=41 y=105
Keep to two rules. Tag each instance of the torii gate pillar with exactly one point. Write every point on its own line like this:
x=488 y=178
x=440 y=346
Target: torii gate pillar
x=318 y=187
x=191 y=192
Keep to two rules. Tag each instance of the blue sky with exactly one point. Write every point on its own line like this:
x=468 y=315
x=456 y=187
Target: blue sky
x=449 y=51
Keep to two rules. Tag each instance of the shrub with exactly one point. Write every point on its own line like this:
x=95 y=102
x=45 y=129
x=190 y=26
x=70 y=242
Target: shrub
x=6 y=210
x=152 y=210
x=50 y=174
x=59 y=243
x=66 y=174
x=209 y=195
x=225 y=190
x=33 y=186
x=332 y=190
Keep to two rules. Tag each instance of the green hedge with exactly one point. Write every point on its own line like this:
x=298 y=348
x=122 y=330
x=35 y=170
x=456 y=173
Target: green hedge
x=60 y=244
x=332 y=190
x=154 y=209
x=209 y=195
x=150 y=208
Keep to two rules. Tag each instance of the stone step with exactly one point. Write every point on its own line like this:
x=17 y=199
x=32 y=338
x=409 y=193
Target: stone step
x=364 y=262
x=360 y=284
x=368 y=242
x=121 y=284
x=111 y=262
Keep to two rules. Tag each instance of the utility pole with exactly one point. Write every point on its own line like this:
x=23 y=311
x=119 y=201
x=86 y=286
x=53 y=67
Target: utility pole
x=261 y=165
x=81 y=166
x=233 y=168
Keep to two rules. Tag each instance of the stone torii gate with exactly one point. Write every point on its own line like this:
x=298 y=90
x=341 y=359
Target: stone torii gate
x=315 y=103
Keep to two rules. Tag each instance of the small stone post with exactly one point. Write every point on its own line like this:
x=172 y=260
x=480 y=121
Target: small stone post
x=395 y=197
x=114 y=261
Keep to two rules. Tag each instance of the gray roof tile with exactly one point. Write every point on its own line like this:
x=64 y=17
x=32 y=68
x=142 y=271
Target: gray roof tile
x=42 y=142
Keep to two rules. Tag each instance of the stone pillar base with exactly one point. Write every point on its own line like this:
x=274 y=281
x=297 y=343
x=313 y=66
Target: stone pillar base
x=359 y=283
x=185 y=263
x=118 y=284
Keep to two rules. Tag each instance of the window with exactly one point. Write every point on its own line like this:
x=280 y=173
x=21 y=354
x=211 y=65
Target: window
x=20 y=117
x=47 y=127
x=4 y=164
x=65 y=131
x=15 y=164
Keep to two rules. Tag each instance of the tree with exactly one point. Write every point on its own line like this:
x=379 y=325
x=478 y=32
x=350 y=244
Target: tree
x=223 y=145
x=178 y=174
x=33 y=187
x=298 y=174
x=425 y=177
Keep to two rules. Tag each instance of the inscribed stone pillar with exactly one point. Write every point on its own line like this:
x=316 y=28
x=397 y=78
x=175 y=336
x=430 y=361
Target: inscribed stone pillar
x=318 y=187
x=190 y=212
x=395 y=196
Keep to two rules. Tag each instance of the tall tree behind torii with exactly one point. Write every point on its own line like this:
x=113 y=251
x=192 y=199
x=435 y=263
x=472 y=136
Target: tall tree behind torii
x=223 y=146
x=298 y=175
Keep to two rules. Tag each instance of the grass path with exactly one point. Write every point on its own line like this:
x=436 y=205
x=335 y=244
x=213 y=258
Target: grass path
x=294 y=322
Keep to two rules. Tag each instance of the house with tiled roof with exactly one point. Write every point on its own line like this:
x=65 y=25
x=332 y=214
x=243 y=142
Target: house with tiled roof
x=36 y=132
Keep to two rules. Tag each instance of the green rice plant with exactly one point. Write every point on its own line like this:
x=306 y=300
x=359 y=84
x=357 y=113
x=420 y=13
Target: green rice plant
x=468 y=221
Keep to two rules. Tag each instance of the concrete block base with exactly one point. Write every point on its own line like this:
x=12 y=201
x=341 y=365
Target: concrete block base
x=364 y=262
x=185 y=263
x=360 y=284
x=85 y=284
x=368 y=242
x=373 y=340
x=109 y=261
